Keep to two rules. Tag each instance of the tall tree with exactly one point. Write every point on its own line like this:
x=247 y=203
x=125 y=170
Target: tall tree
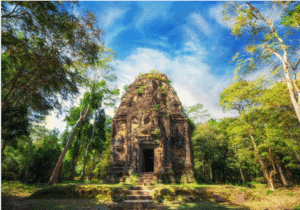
x=269 y=45
x=99 y=129
x=41 y=41
x=242 y=97
x=90 y=103
x=265 y=115
x=85 y=107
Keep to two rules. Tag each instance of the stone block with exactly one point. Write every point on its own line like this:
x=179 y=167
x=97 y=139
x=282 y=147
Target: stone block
x=240 y=199
x=218 y=198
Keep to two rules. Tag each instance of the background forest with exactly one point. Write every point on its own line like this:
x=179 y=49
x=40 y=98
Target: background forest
x=49 y=55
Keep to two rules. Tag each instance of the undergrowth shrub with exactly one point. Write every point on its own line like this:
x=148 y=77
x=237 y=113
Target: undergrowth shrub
x=9 y=169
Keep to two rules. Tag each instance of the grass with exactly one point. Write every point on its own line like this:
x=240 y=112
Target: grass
x=15 y=188
x=171 y=196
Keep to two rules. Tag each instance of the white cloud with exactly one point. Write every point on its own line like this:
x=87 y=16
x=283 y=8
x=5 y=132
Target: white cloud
x=53 y=122
x=152 y=10
x=162 y=42
x=111 y=15
x=216 y=13
x=191 y=35
x=109 y=38
x=192 y=79
x=201 y=24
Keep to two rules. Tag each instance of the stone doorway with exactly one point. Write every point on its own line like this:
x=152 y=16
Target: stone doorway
x=147 y=160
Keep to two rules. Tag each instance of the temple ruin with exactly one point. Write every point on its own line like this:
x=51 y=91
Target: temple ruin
x=150 y=133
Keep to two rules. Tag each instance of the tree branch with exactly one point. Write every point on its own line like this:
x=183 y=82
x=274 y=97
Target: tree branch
x=4 y=16
x=272 y=30
x=295 y=69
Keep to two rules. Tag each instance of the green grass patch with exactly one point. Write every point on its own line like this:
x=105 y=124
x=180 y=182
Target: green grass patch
x=297 y=208
x=290 y=194
x=16 y=188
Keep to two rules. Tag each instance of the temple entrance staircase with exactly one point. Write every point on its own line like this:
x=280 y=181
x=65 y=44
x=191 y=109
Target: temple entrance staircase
x=145 y=179
x=140 y=197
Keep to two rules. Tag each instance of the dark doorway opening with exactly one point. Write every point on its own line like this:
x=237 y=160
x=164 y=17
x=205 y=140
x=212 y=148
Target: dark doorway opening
x=148 y=160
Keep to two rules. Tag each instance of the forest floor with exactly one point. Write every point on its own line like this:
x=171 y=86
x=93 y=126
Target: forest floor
x=75 y=195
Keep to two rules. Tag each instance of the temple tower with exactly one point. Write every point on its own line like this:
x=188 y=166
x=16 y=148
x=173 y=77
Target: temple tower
x=150 y=133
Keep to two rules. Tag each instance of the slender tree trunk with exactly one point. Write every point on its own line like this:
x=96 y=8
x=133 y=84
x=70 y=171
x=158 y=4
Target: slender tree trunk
x=93 y=167
x=203 y=165
x=281 y=174
x=297 y=156
x=88 y=146
x=85 y=159
x=74 y=163
x=210 y=171
x=268 y=177
x=54 y=177
x=293 y=91
x=3 y=146
x=242 y=175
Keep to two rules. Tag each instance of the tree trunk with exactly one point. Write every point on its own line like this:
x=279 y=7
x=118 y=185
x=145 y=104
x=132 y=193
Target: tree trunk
x=93 y=167
x=54 y=177
x=85 y=159
x=242 y=175
x=281 y=174
x=297 y=156
x=3 y=146
x=268 y=177
x=87 y=149
x=293 y=91
x=210 y=171
x=203 y=166
x=74 y=163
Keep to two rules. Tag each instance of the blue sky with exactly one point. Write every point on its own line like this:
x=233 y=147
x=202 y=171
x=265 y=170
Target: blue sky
x=185 y=40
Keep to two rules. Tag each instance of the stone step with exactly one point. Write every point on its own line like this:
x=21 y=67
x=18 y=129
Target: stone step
x=146 y=175
x=137 y=204
x=145 y=179
x=139 y=197
x=144 y=183
x=136 y=188
x=138 y=192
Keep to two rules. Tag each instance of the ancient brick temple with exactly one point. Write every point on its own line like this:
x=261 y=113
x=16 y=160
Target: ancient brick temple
x=150 y=133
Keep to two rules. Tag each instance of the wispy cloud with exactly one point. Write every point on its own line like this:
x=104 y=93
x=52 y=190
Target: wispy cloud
x=111 y=15
x=192 y=79
x=109 y=38
x=161 y=42
x=189 y=33
x=201 y=23
x=151 y=11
